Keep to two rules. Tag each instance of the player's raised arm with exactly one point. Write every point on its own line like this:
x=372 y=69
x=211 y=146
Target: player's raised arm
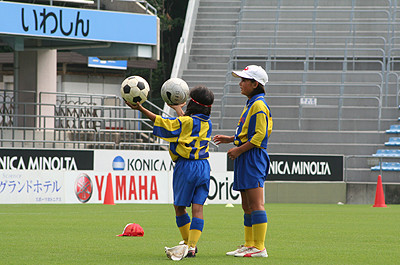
x=178 y=108
x=142 y=109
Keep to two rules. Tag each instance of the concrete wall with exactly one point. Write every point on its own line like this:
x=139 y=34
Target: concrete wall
x=305 y=192
x=365 y=193
x=328 y=192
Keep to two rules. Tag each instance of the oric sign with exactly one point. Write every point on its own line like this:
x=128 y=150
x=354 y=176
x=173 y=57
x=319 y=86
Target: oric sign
x=73 y=23
x=303 y=168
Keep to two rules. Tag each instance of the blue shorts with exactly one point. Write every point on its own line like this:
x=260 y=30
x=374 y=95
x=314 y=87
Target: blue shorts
x=191 y=181
x=251 y=169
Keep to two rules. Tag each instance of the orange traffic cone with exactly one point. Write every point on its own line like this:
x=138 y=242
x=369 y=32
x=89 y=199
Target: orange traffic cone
x=379 y=196
x=109 y=196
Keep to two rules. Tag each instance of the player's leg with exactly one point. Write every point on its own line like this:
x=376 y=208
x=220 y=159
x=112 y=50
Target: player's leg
x=181 y=198
x=248 y=228
x=248 y=231
x=183 y=222
x=196 y=228
x=255 y=199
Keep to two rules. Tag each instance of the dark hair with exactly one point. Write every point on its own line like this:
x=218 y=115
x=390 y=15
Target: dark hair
x=202 y=95
x=258 y=90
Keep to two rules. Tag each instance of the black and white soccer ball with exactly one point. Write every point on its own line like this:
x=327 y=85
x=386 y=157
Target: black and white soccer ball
x=135 y=89
x=175 y=91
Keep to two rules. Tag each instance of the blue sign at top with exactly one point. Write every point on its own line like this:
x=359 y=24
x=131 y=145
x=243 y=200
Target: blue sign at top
x=78 y=24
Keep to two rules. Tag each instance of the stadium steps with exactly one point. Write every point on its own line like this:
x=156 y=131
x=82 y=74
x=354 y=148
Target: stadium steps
x=210 y=51
x=214 y=35
x=339 y=4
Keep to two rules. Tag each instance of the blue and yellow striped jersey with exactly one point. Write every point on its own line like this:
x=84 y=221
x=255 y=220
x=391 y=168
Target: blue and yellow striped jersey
x=255 y=124
x=189 y=136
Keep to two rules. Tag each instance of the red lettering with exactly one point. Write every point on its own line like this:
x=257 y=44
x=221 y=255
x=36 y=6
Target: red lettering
x=132 y=188
x=142 y=187
x=120 y=187
x=153 y=188
x=99 y=187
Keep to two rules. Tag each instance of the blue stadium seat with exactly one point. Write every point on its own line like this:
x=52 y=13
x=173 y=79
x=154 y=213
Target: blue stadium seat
x=387 y=166
x=393 y=141
x=386 y=153
x=394 y=129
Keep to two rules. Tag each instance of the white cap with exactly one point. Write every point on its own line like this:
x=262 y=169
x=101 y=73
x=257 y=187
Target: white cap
x=253 y=72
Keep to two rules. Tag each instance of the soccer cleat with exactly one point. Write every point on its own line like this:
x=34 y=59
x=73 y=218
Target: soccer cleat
x=183 y=243
x=240 y=249
x=177 y=252
x=191 y=253
x=253 y=253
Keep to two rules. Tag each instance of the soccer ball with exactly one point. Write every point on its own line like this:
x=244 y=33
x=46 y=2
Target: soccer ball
x=135 y=89
x=175 y=91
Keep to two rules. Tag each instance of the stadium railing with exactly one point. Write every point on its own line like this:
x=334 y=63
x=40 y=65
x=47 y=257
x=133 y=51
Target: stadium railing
x=334 y=102
x=76 y=120
x=365 y=169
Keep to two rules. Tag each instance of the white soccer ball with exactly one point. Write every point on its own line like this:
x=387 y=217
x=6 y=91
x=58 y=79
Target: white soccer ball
x=135 y=89
x=175 y=91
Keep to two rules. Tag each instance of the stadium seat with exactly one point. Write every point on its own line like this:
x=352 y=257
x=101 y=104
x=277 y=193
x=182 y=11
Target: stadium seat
x=393 y=141
x=387 y=166
x=388 y=153
x=394 y=129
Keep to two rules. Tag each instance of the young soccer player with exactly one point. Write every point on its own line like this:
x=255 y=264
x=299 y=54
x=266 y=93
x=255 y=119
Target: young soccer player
x=189 y=135
x=251 y=160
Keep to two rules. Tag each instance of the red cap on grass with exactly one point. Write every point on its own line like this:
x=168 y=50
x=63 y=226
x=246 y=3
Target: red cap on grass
x=132 y=229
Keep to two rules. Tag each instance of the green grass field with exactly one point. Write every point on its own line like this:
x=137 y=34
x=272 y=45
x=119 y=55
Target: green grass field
x=297 y=234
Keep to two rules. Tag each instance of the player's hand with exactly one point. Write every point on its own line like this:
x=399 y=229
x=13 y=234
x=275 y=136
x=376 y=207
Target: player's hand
x=178 y=108
x=233 y=153
x=224 y=139
x=136 y=106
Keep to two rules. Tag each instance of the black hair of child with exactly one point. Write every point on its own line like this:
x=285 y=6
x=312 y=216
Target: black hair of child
x=258 y=90
x=202 y=95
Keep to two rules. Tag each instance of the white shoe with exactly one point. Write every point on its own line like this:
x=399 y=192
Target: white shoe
x=177 y=252
x=253 y=252
x=240 y=249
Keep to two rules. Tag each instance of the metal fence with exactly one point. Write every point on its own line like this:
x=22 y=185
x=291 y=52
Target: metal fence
x=75 y=121
x=357 y=169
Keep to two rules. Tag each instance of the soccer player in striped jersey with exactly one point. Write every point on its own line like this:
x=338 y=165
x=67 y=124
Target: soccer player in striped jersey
x=189 y=135
x=251 y=160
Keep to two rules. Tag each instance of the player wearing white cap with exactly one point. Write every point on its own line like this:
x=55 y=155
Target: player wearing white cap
x=251 y=160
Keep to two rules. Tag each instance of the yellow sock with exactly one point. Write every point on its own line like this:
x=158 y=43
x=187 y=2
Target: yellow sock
x=185 y=232
x=259 y=232
x=194 y=236
x=248 y=236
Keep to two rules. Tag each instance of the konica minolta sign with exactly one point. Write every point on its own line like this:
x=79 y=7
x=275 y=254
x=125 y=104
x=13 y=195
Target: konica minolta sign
x=37 y=159
x=303 y=168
